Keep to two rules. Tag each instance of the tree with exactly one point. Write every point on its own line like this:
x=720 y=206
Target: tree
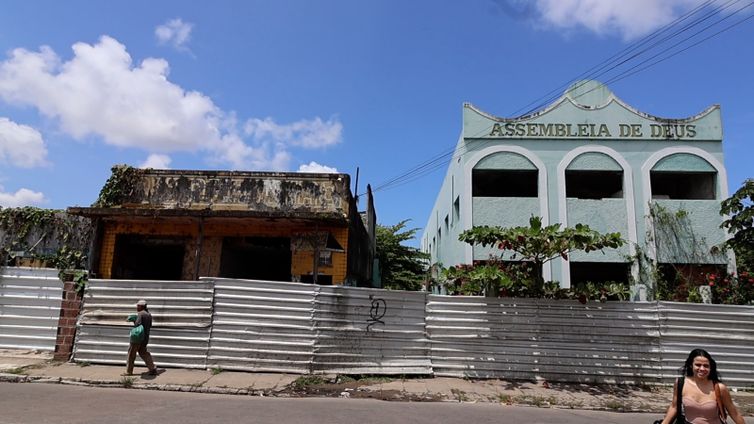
x=539 y=245
x=403 y=267
x=740 y=224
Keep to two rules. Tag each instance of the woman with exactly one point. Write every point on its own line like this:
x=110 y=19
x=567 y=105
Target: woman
x=698 y=394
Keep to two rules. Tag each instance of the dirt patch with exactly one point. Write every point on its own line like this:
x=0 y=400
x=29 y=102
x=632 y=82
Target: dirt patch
x=312 y=386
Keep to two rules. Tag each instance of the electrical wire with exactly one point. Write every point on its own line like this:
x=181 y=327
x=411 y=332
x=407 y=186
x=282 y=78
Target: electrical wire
x=623 y=57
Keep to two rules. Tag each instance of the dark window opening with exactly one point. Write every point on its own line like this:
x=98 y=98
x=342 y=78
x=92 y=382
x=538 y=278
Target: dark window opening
x=140 y=257
x=256 y=258
x=504 y=183
x=456 y=210
x=594 y=184
x=677 y=279
x=322 y=279
x=683 y=185
x=599 y=272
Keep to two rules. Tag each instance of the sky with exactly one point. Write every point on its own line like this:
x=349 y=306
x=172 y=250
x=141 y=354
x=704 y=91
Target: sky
x=327 y=85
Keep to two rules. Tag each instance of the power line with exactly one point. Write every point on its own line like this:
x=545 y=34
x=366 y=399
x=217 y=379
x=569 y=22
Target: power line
x=440 y=160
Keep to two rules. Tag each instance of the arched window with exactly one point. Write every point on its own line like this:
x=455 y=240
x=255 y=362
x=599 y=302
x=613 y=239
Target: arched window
x=594 y=175
x=683 y=176
x=504 y=174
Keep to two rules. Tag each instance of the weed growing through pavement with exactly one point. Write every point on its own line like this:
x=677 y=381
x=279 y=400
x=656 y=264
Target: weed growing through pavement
x=308 y=380
x=538 y=401
x=572 y=404
x=504 y=398
x=459 y=395
x=17 y=371
x=83 y=364
x=362 y=378
x=341 y=379
x=217 y=370
x=615 y=405
x=127 y=382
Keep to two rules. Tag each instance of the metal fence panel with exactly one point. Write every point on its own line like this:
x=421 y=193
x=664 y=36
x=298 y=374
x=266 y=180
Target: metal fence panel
x=30 y=300
x=533 y=338
x=181 y=314
x=725 y=331
x=370 y=331
x=262 y=326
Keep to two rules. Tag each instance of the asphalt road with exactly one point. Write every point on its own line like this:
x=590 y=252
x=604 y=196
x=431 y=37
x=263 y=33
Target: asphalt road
x=56 y=403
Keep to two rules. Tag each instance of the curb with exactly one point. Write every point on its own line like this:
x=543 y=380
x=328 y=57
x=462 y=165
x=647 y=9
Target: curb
x=22 y=378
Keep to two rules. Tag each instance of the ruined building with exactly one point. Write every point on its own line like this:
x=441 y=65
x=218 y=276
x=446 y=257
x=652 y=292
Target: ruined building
x=183 y=225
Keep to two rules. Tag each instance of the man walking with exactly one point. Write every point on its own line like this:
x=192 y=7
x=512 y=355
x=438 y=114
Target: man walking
x=143 y=318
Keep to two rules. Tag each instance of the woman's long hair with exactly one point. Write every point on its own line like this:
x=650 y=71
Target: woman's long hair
x=688 y=368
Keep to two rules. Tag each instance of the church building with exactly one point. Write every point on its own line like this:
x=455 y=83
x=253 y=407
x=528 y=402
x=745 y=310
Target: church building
x=589 y=158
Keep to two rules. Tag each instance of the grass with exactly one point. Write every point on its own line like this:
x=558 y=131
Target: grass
x=615 y=405
x=572 y=404
x=459 y=395
x=83 y=364
x=504 y=398
x=127 y=382
x=17 y=371
x=538 y=401
x=308 y=380
x=216 y=370
x=362 y=378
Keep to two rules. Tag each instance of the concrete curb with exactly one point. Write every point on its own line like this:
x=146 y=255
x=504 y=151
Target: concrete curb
x=22 y=378
x=189 y=388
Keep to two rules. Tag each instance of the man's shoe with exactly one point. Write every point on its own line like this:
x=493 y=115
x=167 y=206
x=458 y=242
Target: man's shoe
x=155 y=371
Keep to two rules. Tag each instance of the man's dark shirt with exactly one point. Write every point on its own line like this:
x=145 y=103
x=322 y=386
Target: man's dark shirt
x=144 y=318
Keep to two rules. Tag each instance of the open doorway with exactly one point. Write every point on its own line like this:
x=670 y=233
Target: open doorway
x=141 y=257
x=256 y=258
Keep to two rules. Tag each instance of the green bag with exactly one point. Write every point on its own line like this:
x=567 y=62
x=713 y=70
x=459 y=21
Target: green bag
x=137 y=334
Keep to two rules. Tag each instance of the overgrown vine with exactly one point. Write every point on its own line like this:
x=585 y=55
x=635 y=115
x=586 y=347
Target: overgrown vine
x=118 y=188
x=681 y=248
x=47 y=237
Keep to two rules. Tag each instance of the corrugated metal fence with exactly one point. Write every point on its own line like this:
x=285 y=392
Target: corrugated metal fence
x=370 y=331
x=726 y=331
x=300 y=328
x=262 y=326
x=181 y=315
x=554 y=340
x=30 y=300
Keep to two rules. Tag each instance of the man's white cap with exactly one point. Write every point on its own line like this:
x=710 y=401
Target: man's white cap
x=142 y=302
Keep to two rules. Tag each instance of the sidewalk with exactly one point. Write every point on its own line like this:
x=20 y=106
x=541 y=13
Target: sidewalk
x=25 y=366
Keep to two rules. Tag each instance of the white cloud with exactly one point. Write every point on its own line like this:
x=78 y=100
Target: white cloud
x=631 y=19
x=174 y=32
x=310 y=134
x=157 y=161
x=317 y=168
x=21 y=145
x=22 y=197
x=101 y=92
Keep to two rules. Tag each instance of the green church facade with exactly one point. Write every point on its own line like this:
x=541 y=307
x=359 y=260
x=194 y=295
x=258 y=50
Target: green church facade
x=587 y=158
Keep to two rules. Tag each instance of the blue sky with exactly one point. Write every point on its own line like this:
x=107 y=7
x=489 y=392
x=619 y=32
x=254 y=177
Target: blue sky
x=325 y=85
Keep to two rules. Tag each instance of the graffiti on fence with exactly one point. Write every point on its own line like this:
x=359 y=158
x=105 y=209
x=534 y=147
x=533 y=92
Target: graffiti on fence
x=376 y=312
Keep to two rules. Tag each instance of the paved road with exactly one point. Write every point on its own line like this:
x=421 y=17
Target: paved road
x=55 y=403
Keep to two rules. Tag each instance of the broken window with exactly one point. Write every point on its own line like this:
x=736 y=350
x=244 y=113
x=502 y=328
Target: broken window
x=256 y=258
x=583 y=184
x=683 y=185
x=325 y=258
x=599 y=272
x=504 y=183
x=142 y=257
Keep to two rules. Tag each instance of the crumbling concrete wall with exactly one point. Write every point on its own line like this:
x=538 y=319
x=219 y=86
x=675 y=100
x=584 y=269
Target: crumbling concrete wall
x=258 y=191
